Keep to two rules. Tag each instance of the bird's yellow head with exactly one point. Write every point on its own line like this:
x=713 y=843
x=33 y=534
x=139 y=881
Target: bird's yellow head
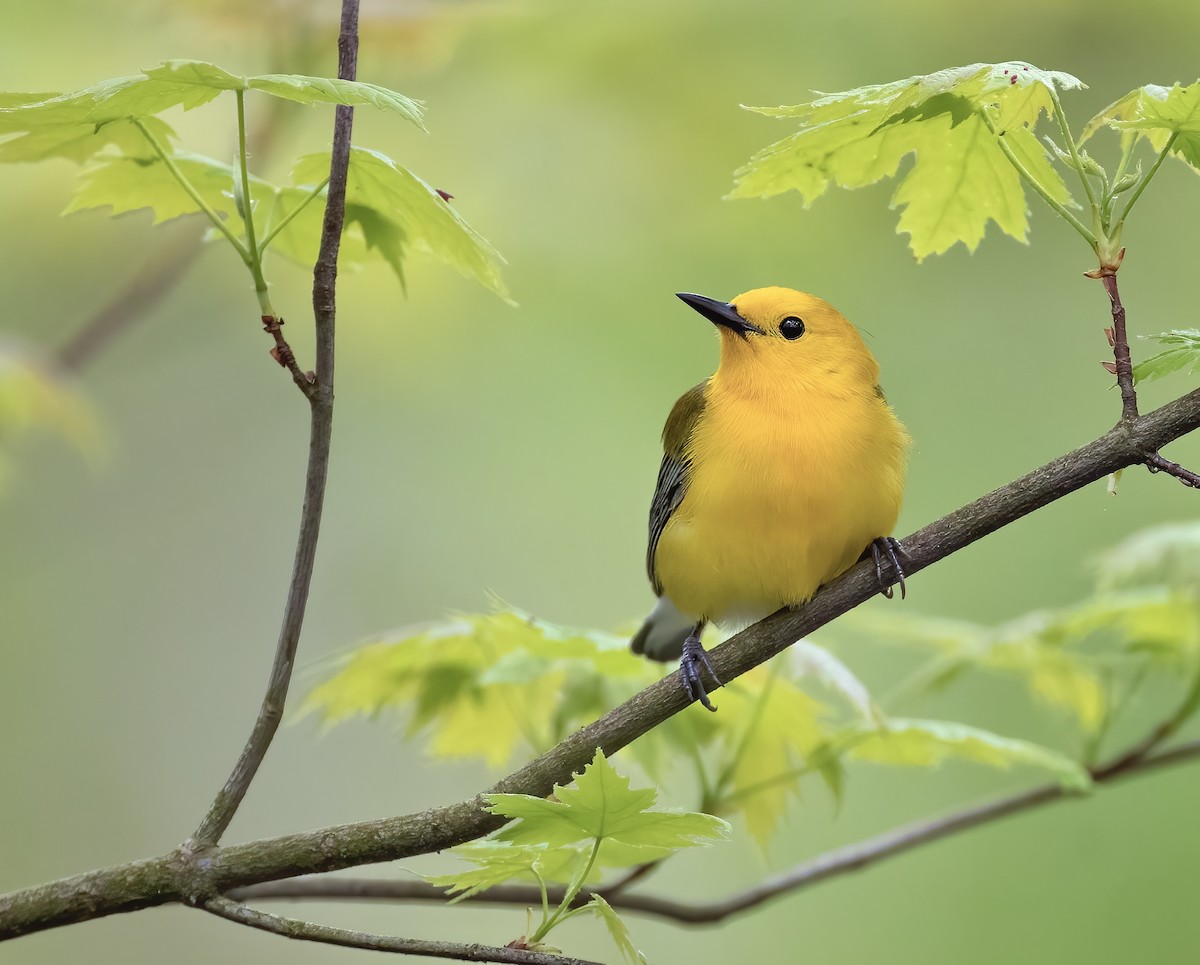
x=776 y=336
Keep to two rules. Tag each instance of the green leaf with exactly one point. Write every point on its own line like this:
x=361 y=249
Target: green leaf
x=774 y=729
x=810 y=660
x=1158 y=114
x=1182 y=353
x=961 y=178
x=617 y=929
x=495 y=863
x=293 y=87
x=1032 y=647
x=498 y=861
x=927 y=743
x=601 y=805
x=78 y=142
x=1128 y=108
x=128 y=184
x=330 y=90
x=961 y=181
x=482 y=685
x=73 y=125
x=420 y=219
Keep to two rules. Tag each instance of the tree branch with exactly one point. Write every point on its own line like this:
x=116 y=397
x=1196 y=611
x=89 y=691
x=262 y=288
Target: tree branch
x=325 y=934
x=181 y=876
x=832 y=864
x=320 y=397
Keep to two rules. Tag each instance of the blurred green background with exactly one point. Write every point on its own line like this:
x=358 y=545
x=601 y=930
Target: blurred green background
x=480 y=448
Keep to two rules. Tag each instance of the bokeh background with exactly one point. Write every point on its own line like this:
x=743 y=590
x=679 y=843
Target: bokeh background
x=485 y=449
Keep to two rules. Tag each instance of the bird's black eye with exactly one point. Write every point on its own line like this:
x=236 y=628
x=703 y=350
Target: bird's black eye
x=791 y=327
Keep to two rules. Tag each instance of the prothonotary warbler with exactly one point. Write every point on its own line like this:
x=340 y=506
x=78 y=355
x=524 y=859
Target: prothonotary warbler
x=779 y=472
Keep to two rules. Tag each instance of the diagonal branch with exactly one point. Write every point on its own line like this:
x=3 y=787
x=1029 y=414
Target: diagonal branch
x=327 y=935
x=320 y=397
x=832 y=864
x=179 y=876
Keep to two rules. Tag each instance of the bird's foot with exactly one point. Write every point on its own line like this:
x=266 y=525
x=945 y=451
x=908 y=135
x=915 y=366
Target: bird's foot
x=695 y=659
x=887 y=548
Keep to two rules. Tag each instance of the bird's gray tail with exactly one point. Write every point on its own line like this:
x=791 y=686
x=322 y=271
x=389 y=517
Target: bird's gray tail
x=661 y=636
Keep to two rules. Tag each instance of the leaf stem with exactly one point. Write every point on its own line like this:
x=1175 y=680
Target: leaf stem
x=568 y=897
x=253 y=254
x=287 y=218
x=1061 y=117
x=1141 y=185
x=216 y=219
x=1041 y=190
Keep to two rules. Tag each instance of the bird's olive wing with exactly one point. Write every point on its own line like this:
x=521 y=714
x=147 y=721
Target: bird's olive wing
x=674 y=472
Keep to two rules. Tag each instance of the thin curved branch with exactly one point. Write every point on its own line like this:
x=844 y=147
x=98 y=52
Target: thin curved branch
x=327 y=935
x=832 y=864
x=181 y=876
x=320 y=397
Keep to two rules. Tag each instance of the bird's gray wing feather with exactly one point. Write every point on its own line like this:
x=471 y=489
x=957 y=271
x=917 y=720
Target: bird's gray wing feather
x=674 y=472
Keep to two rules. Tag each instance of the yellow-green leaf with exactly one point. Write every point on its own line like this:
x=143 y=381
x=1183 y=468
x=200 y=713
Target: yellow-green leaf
x=482 y=685
x=961 y=178
x=617 y=929
x=774 y=728
x=420 y=218
x=1175 y=112
x=600 y=805
x=927 y=743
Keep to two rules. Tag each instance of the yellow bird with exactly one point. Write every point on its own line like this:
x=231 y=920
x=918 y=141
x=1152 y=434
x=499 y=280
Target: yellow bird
x=779 y=472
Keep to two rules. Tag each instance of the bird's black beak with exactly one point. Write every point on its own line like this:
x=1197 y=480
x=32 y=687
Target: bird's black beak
x=720 y=313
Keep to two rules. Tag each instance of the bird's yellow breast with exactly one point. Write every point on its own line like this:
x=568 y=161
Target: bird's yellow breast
x=786 y=490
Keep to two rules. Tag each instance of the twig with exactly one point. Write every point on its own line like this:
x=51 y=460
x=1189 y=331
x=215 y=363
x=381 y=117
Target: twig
x=829 y=865
x=1122 y=368
x=1156 y=463
x=1120 y=345
x=179 y=876
x=320 y=397
x=282 y=353
x=325 y=934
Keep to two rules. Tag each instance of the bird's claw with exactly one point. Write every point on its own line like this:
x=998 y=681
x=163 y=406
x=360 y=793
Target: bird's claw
x=885 y=547
x=693 y=660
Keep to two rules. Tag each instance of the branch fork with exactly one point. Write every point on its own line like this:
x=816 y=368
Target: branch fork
x=1122 y=367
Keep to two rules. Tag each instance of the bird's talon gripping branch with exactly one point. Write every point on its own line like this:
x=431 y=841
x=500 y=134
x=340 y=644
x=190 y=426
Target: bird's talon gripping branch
x=889 y=548
x=695 y=659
